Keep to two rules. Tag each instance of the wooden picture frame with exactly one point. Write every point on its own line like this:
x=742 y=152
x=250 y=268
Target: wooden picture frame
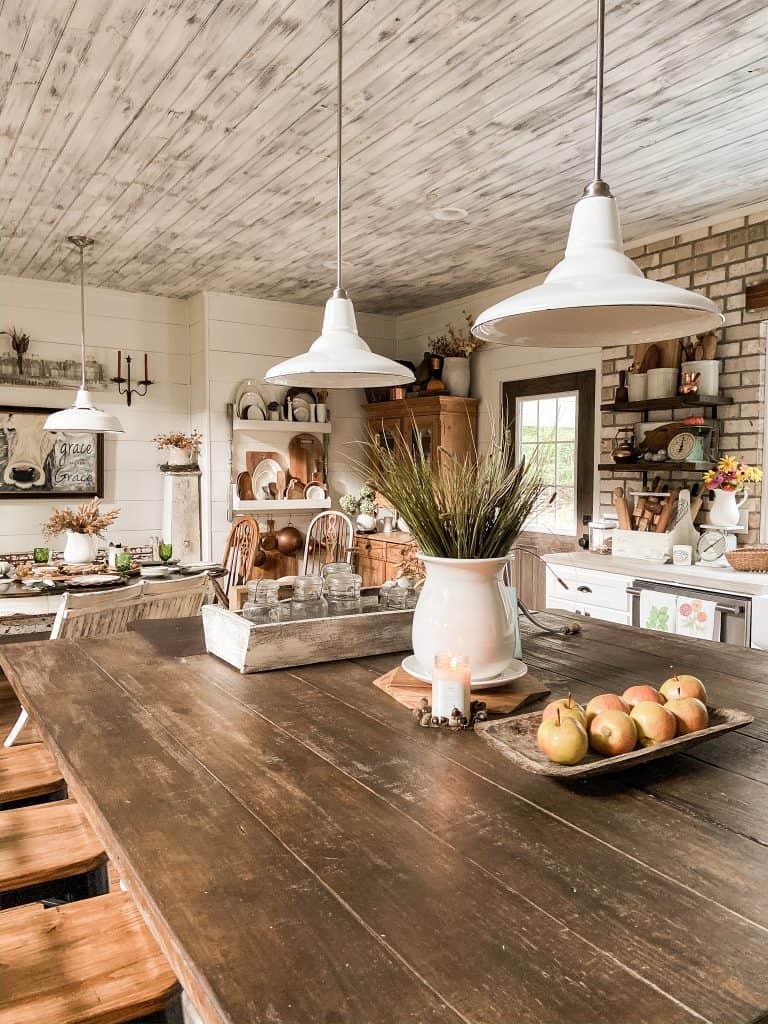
x=35 y=463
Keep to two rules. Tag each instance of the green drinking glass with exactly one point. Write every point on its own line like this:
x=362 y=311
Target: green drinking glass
x=42 y=555
x=123 y=561
x=165 y=551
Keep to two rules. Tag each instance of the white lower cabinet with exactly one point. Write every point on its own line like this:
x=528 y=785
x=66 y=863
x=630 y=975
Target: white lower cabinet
x=597 y=595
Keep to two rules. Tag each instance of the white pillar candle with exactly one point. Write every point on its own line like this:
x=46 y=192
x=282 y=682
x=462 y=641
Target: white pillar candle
x=451 y=684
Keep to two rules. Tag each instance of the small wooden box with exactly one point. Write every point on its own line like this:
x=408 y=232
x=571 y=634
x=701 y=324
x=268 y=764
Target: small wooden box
x=651 y=547
x=252 y=648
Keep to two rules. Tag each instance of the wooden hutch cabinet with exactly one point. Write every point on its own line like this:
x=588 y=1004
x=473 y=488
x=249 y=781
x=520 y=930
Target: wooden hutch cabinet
x=444 y=423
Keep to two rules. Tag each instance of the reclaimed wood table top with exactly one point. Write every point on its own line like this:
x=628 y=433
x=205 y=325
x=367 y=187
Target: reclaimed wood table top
x=306 y=854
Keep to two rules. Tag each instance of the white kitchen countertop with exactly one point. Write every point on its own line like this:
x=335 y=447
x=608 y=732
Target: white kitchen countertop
x=723 y=579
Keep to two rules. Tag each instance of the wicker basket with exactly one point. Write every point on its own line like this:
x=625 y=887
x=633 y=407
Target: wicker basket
x=754 y=559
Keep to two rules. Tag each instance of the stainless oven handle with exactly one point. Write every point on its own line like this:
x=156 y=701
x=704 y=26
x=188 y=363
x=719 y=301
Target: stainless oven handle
x=724 y=609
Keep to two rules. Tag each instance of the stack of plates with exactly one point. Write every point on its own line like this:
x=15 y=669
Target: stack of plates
x=249 y=404
x=264 y=475
x=302 y=409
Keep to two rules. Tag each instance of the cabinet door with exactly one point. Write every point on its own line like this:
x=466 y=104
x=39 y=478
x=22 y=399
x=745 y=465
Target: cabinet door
x=425 y=430
x=387 y=431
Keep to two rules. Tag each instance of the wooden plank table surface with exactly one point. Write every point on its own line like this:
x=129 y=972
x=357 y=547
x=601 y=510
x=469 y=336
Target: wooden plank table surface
x=306 y=854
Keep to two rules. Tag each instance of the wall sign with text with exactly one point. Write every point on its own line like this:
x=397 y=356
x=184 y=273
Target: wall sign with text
x=38 y=463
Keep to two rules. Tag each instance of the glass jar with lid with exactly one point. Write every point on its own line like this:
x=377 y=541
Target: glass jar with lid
x=308 y=601
x=261 y=605
x=343 y=593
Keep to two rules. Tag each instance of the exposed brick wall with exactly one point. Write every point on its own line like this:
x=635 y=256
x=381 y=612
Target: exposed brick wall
x=720 y=261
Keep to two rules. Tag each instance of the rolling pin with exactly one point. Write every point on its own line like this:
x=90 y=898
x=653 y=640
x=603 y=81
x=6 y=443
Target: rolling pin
x=666 y=512
x=622 y=509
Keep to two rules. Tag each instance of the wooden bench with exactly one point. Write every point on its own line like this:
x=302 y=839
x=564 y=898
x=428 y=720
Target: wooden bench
x=27 y=772
x=90 y=962
x=47 y=844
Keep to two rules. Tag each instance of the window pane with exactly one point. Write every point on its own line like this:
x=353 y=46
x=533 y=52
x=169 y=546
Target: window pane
x=566 y=464
x=547 y=430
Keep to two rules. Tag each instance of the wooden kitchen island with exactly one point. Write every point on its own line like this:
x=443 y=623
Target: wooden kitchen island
x=306 y=854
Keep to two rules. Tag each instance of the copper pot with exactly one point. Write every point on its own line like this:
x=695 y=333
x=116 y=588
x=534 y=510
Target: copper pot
x=268 y=540
x=289 y=540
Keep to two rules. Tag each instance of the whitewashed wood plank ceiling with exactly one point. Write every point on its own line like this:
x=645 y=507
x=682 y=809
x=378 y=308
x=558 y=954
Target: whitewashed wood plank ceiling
x=194 y=138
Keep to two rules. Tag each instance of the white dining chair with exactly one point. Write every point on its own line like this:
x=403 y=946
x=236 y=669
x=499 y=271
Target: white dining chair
x=330 y=538
x=82 y=615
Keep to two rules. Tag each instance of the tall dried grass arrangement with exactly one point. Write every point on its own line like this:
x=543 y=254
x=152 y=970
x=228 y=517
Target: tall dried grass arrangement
x=86 y=518
x=471 y=508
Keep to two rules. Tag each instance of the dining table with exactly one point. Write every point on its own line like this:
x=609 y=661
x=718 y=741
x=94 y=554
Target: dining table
x=305 y=853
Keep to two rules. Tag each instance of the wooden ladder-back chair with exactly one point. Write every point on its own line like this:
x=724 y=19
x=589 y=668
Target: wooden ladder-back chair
x=173 y=599
x=82 y=615
x=239 y=557
x=330 y=538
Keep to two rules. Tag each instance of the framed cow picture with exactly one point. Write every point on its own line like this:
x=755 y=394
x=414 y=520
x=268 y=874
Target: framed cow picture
x=39 y=463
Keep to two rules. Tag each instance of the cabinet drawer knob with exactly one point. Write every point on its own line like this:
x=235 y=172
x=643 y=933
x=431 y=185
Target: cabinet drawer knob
x=584 y=590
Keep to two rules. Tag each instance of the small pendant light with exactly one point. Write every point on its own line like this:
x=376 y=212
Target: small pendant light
x=596 y=295
x=339 y=358
x=83 y=415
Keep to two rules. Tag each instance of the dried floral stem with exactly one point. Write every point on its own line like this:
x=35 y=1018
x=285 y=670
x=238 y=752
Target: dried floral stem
x=86 y=518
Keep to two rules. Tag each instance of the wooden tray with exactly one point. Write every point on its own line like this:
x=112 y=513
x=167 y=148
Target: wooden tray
x=515 y=738
x=408 y=691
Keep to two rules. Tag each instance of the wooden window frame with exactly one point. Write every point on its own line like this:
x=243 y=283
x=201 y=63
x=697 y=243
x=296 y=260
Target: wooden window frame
x=584 y=383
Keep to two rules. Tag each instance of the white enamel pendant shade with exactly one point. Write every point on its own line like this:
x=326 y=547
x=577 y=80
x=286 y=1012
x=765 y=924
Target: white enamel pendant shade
x=596 y=296
x=84 y=416
x=339 y=358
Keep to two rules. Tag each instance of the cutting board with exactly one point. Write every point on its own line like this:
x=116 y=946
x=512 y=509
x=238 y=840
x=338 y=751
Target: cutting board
x=408 y=691
x=305 y=456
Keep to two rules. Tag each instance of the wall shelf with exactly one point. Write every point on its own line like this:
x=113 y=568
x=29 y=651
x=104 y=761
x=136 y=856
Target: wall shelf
x=654 y=467
x=280 y=505
x=279 y=427
x=678 y=402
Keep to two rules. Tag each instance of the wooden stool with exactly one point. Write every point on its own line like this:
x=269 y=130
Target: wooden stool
x=29 y=773
x=49 y=851
x=91 y=962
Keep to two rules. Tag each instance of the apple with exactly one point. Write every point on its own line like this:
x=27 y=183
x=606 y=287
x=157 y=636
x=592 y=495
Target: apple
x=690 y=714
x=654 y=723
x=683 y=686
x=612 y=732
x=643 y=692
x=563 y=739
x=567 y=707
x=605 y=702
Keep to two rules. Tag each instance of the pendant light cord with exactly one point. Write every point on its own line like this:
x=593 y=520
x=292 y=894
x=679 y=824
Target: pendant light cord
x=597 y=187
x=82 y=318
x=339 y=65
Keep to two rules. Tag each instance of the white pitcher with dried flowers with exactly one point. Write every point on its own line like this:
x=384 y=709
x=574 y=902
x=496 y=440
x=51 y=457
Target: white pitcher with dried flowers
x=456 y=347
x=182 y=449
x=83 y=526
x=465 y=515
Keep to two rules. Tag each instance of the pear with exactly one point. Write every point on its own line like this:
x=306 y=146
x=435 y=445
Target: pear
x=563 y=739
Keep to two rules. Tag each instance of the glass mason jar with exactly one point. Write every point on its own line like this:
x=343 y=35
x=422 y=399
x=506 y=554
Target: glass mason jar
x=261 y=605
x=343 y=590
x=308 y=601
x=395 y=599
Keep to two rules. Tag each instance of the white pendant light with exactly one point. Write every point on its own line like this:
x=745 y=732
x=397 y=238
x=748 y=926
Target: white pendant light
x=339 y=358
x=596 y=295
x=83 y=414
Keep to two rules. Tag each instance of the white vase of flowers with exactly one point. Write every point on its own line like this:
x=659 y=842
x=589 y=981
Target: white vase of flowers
x=83 y=527
x=456 y=347
x=727 y=486
x=180 y=449
x=464 y=517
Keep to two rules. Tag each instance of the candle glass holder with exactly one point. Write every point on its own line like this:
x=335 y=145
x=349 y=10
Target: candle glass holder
x=42 y=556
x=451 y=685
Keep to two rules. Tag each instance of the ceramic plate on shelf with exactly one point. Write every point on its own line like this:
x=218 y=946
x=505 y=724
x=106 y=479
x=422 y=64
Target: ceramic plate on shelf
x=251 y=399
x=315 y=492
x=264 y=475
x=248 y=392
x=514 y=670
x=253 y=412
x=301 y=413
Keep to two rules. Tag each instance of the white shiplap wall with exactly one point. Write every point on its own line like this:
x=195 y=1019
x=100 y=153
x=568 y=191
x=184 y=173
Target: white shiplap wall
x=239 y=338
x=136 y=323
